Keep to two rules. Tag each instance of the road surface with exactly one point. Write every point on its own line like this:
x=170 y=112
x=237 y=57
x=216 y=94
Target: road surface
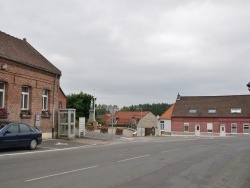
x=160 y=162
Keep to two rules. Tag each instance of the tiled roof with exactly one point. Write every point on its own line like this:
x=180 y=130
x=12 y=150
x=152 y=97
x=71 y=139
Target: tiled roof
x=168 y=113
x=126 y=116
x=220 y=106
x=21 y=51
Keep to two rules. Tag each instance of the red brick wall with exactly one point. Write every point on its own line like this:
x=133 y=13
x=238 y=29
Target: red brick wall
x=62 y=99
x=18 y=75
x=177 y=124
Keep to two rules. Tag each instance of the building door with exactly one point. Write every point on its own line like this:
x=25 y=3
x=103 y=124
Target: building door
x=222 y=130
x=197 y=130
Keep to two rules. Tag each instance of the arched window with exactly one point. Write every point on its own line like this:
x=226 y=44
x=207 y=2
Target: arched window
x=60 y=105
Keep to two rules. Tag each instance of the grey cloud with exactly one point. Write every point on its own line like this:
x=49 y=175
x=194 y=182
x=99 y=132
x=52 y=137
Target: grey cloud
x=133 y=52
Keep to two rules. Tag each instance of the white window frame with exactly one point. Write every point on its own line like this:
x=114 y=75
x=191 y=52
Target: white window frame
x=209 y=127
x=245 y=125
x=24 y=95
x=2 y=91
x=232 y=128
x=186 y=125
x=162 y=125
x=45 y=99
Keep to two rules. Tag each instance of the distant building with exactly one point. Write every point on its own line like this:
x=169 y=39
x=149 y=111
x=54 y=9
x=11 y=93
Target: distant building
x=165 y=121
x=144 y=122
x=29 y=85
x=211 y=115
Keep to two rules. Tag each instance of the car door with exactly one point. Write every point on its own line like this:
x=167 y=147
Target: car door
x=25 y=134
x=10 y=137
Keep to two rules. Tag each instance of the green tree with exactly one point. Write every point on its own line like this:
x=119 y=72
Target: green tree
x=101 y=109
x=81 y=102
x=156 y=109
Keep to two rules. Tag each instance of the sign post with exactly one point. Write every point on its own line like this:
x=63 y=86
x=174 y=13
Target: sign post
x=37 y=120
x=81 y=126
x=112 y=110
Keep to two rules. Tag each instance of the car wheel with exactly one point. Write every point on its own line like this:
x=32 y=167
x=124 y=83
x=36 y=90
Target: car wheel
x=33 y=144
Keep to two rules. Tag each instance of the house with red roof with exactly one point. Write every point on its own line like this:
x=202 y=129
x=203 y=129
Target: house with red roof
x=143 y=122
x=29 y=86
x=165 y=121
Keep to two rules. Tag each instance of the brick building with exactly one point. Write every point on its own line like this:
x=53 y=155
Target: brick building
x=29 y=86
x=211 y=115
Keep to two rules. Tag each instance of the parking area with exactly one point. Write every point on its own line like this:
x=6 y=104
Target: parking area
x=54 y=144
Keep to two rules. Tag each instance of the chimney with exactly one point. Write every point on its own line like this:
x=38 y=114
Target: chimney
x=24 y=39
x=178 y=97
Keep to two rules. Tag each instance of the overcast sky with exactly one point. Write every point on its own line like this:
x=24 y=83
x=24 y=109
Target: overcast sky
x=138 y=51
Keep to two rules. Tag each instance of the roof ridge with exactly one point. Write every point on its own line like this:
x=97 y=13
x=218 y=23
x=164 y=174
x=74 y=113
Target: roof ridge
x=21 y=51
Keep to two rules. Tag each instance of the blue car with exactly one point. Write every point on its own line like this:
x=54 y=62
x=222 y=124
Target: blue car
x=18 y=134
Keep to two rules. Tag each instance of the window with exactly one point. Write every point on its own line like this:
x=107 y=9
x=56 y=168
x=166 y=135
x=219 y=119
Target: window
x=60 y=105
x=192 y=111
x=186 y=127
x=211 y=111
x=45 y=100
x=162 y=125
x=246 y=128
x=2 y=94
x=209 y=127
x=25 y=98
x=24 y=128
x=234 y=128
x=235 y=110
x=13 y=128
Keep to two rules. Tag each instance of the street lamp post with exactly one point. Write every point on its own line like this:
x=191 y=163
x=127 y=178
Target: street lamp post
x=158 y=125
x=140 y=120
x=112 y=110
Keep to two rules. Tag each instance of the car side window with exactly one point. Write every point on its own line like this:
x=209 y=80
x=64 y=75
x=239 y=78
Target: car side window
x=13 y=128
x=24 y=128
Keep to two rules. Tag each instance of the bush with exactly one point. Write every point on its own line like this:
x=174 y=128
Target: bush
x=119 y=131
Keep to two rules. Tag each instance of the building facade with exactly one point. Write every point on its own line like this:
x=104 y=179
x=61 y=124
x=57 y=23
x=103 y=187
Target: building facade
x=29 y=86
x=211 y=115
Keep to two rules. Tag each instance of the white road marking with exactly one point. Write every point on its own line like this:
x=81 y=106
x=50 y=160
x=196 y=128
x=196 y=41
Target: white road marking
x=171 y=150
x=59 y=143
x=174 y=140
x=133 y=158
x=48 y=148
x=198 y=146
x=52 y=150
x=62 y=173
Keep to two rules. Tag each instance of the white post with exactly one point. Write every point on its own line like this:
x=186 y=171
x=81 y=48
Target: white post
x=112 y=110
x=158 y=125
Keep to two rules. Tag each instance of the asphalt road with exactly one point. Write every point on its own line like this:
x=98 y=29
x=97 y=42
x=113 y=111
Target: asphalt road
x=160 y=162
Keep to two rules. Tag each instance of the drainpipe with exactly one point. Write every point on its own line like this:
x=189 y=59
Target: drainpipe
x=53 y=111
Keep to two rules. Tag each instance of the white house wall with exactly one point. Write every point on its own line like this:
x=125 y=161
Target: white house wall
x=148 y=121
x=167 y=125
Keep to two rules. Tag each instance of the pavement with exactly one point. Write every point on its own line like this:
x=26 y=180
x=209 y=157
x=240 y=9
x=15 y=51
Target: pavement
x=93 y=138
